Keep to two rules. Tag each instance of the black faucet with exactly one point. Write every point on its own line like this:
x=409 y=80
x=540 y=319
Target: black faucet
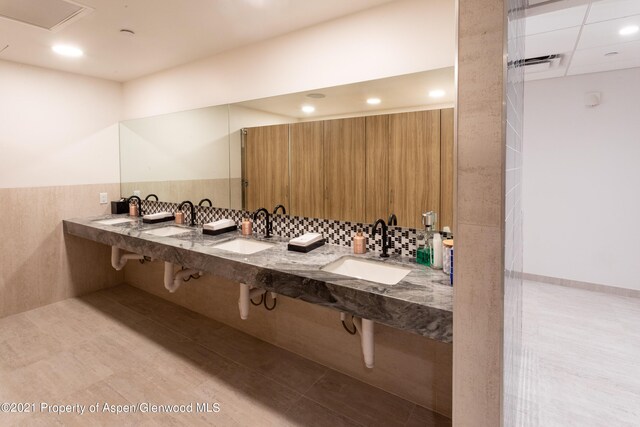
x=205 y=200
x=139 y=203
x=152 y=195
x=268 y=225
x=275 y=210
x=193 y=211
x=386 y=241
x=393 y=220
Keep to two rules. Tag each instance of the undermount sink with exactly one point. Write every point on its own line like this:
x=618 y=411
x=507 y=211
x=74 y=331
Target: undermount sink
x=373 y=271
x=167 y=231
x=243 y=246
x=114 y=221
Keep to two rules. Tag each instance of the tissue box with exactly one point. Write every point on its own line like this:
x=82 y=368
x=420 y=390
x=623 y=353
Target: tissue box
x=219 y=227
x=159 y=217
x=306 y=242
x=220 y=230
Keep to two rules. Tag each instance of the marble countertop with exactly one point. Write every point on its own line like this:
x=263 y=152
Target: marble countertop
x=422 y=302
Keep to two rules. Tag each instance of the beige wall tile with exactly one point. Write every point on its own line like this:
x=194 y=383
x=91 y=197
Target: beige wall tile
x=38 y=263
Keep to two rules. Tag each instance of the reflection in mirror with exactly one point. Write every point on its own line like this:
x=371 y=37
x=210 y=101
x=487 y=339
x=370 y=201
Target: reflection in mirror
x=357 y=152
x=179 y=156
x=239 y=117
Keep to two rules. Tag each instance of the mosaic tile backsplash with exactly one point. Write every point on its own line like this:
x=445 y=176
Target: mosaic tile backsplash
x=341 y=233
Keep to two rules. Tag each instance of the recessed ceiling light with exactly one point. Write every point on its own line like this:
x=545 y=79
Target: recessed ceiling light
x=438 y=93
x=628 y=30
x=308 y=108
x=612 y=53
x=373 y=101
x=316 y=95
x=66 y=50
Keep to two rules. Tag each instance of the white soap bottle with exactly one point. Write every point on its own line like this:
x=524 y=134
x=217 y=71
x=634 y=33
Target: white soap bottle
x=437 y=251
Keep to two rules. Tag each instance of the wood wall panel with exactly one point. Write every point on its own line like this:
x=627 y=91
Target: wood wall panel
x=344 y=169
x=446 y=168
x=307 y=169
x=267 y=167
x=377 y=168
x=414 y=165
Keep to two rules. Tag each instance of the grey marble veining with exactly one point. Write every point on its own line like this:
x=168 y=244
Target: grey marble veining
x=421 y=303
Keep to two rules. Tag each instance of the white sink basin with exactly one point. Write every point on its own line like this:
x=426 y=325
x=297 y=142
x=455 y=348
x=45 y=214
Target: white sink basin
x=373 y=271
x=167 y=231
x=114 y=221
x=243 y=246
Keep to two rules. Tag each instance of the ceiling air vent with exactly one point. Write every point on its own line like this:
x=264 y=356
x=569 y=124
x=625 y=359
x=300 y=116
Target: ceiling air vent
x=48 y=14
x=541 y=63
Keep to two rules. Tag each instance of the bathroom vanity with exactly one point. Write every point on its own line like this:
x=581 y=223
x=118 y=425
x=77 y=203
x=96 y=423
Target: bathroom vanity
x=421 y=302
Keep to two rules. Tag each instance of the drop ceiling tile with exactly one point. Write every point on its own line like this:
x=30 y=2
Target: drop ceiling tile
x=594 y=59
x=605 y=10
x=597 y=68
x=555 y=72
x=560 y=41
x=606 y=32
x=556 y=20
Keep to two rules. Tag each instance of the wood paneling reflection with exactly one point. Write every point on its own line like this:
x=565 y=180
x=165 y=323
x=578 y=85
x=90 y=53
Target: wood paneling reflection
x=344 y=169
x=414 y=165
x=446 y=168
x=356 y=169
x=267 y=167
x=307 y=169
x=377 y=168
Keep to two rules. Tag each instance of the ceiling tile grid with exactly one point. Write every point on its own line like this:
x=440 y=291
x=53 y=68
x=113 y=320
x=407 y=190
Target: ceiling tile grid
x=587 y=35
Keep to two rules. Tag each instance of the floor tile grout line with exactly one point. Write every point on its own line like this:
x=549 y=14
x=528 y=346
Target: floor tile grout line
x=324 y=374
x=327 y=368
x=410 y=414
x=333 y=410
x=257 y=371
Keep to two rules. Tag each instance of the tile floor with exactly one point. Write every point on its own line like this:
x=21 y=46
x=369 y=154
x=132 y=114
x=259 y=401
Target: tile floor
x=123 y=346
x=581 y=364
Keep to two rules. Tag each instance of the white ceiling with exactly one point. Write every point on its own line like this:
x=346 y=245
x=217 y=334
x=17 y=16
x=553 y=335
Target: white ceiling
x=583 y=31
x=407 y=92
x=167 y=32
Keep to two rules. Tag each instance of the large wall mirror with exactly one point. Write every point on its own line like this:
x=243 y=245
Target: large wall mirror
x=179 y=156
x=349 y=159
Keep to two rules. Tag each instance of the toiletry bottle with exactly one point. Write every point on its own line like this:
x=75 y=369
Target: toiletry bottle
x=359 y=243
x=133 y=209
x=179 y=217
x=437 y=251
x=447 y=245
x=247 y=227
x=451 y=268
x=421 y=252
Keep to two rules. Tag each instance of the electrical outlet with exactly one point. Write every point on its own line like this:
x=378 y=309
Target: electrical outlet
x=103 y=198
x=136 y=193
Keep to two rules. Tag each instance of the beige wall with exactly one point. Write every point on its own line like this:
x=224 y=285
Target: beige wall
x=40 y=265
x=57 y=128
x=59 y=141
x=479 y=268
x=408 y=365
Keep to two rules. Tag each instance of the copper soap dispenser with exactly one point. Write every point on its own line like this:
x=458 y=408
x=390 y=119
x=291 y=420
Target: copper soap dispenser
x=359 y=243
